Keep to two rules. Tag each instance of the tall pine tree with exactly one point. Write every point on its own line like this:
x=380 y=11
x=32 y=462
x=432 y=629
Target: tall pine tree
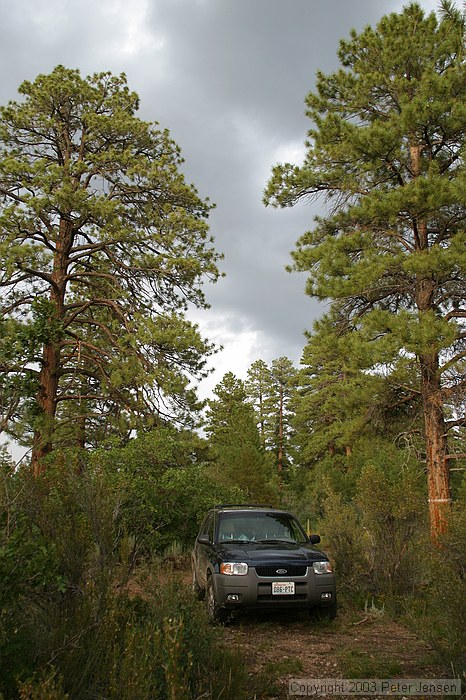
x=257 y=387
x=386 y=149
x=240 y=459
x=283 y=375
x=104 y=247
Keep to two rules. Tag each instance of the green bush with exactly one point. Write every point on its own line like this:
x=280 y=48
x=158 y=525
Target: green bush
x=392 y=510
x=67 y=627
x=119 y=648
x=438 y=610
x=43 y=686
x=162 y=488
x=342 y=536
x=188 y=658
x=373 y=536
x=381 y=543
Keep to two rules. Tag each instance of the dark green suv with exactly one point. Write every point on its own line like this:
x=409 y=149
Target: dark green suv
x=259 y=557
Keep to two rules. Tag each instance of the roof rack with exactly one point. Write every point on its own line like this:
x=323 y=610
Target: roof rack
x=244 y=505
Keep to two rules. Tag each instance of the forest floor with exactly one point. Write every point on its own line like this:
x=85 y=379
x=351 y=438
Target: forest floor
x=281 y=647
x=360 y=644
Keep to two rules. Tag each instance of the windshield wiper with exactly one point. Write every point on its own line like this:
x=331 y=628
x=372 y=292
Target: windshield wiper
x=270 y=539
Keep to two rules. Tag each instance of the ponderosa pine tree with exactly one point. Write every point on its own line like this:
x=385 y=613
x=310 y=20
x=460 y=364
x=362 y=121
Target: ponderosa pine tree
x=269 y=389
x=240 y=459
x=257 y=387
x=104 y=246
x=338 y=403
x=386 y=148
x=328 y=406
x=283 y=375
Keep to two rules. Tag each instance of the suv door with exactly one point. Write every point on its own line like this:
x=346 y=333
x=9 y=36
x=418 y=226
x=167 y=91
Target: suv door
x=202 y=551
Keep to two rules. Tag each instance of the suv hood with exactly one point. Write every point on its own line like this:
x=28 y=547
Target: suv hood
x=274 y=551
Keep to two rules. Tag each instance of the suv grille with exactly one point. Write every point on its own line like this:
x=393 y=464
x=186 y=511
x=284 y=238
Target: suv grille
x=284 y=569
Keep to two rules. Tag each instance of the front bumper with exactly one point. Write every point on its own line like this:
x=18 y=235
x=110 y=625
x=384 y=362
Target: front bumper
x=253 y=591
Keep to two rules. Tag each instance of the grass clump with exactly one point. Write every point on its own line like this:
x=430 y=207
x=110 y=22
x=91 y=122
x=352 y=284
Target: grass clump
x=360 y=664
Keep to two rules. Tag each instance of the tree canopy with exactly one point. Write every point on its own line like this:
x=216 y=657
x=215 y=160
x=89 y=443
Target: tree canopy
x=105 y=246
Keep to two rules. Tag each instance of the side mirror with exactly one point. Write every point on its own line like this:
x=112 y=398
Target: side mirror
x=314 y=539
x=203 y=539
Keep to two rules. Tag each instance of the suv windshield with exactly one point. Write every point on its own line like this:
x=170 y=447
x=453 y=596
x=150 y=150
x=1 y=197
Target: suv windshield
x=259 y=527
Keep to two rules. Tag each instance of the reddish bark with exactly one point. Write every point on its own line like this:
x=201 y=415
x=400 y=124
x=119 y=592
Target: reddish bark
x=438 y=474
x=47 y=401
x=49 y=373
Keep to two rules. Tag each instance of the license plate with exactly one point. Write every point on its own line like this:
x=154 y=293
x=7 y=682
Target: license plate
x=283 y=588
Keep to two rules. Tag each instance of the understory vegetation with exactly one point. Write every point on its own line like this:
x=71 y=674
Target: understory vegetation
x=74 y=541
x=377 y=532
x=71 y=626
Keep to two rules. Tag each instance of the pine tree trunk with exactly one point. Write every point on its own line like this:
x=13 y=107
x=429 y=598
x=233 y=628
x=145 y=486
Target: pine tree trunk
x=438 y=475
x=48 y=377
x=280 y=439
x=47 y=401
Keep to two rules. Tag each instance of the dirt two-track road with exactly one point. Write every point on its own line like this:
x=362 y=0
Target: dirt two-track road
x=278 y=648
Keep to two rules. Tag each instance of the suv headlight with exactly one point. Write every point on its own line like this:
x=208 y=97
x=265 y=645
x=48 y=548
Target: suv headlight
x=234 y=568
x=322 y=567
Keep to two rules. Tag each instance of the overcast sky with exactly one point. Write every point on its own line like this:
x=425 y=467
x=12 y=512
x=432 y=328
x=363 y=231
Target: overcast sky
x=228 y=78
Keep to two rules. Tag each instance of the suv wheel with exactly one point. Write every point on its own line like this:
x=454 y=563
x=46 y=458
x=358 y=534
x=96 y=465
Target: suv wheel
x=215 y=612
x=328 y=612
x=197 y=590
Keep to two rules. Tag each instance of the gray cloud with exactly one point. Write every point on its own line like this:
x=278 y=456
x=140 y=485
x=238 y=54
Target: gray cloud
x=228 y=78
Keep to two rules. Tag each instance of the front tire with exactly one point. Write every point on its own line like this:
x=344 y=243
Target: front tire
x=328 y=612
x=197 y=590
x=216 y=613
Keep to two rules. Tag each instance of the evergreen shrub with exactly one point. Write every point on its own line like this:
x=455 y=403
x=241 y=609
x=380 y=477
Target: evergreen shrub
x=69 y=627
x=438 y=608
